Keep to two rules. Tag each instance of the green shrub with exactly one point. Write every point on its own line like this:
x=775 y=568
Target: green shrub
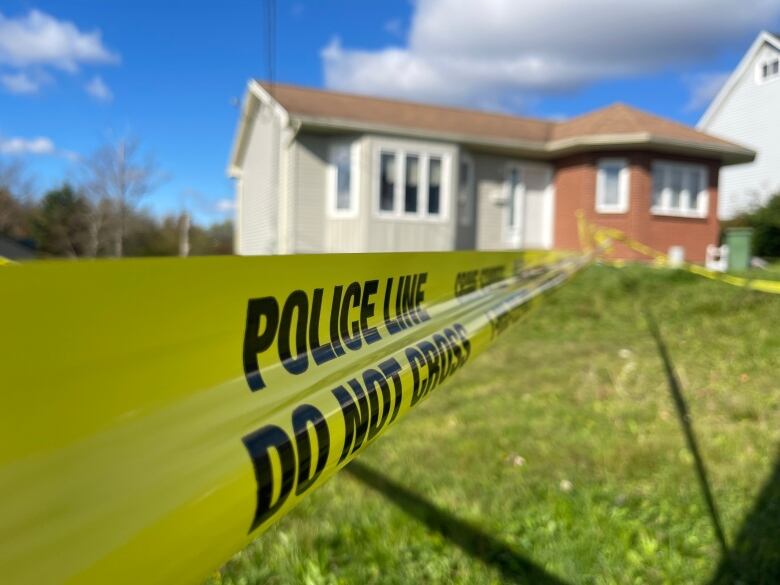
x=765 y=222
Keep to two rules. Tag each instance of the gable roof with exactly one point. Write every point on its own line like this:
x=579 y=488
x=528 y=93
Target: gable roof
x=619 y=126
x=764 y=37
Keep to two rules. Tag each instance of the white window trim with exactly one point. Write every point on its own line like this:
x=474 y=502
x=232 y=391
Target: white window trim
x=760 y=79
x=624 y=181
x=665 y=207
x=354 y=180
x=424 y=154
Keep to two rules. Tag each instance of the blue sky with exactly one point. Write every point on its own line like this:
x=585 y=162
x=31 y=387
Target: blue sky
x=73 y=74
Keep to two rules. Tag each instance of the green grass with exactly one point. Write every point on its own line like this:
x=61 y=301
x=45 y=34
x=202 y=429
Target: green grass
x=558 y=455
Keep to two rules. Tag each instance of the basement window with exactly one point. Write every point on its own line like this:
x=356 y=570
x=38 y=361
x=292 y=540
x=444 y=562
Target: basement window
x=679 y=189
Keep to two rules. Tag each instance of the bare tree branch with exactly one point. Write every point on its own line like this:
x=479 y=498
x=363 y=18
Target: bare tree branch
x=116 y=179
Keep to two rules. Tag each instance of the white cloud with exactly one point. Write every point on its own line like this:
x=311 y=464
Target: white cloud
x=98 y=89
x=21 y=83
x=477 y=52
x=224 y=205
x=40 y=145
x=40 y=39
x=703 y=88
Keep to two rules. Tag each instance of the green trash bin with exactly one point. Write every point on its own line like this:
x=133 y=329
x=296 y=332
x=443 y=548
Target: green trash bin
x=739 y=240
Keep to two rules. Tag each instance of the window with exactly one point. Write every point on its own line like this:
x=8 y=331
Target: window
x=387 y=181
x=679 y=189
x=410 y=185
x=769 y=69
x=434 y=185
x=612 y=186
x=342 y=181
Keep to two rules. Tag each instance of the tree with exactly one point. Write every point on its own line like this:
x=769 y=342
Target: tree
x=15 y=207
x=217 y=239
x=765 y=221
x=61 y=224
x=116 y=179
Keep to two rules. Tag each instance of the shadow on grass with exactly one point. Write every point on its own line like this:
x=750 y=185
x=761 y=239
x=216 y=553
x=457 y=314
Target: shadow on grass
x=675 y=389
x=471 y=539
x=755 y=554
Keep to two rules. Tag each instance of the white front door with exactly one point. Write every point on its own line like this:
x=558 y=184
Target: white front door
x=528 y=213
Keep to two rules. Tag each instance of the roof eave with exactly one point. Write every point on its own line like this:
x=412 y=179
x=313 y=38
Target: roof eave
x=254 y=97
x=726 y=154
x=550 y=149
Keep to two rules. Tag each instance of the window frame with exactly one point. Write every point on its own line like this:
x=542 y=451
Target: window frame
x=353 y=148
x=768 y=69
x=703 y=193
x=624 y=184
x=423 y=154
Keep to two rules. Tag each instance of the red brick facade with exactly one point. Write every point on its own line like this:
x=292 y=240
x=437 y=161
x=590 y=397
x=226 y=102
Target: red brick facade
x=575 y=188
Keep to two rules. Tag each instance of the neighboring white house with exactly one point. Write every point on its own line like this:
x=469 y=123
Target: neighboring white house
x=747 y=111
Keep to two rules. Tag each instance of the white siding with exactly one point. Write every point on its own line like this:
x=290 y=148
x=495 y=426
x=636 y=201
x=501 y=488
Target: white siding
x=258 y=188
x=308 y=168
x=749 y=115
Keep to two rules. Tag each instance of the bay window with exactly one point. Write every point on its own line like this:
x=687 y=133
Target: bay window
x=679 y=189
x=410 y=184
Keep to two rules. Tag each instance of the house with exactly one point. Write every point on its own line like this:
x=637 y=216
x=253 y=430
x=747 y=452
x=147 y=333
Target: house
x=319 y=171
x=747 y=110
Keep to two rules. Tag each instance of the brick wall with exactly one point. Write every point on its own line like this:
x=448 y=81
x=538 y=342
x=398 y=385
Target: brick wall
x=575 y=188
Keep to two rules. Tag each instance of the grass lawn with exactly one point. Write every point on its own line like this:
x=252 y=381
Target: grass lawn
x=559 y=456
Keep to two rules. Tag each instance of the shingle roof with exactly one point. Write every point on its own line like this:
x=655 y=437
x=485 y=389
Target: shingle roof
x=622 y=119
x=343 y=106
x=619 y=123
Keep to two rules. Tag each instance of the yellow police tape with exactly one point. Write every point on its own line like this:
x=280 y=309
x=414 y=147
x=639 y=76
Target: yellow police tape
x=158 y=414
x=605 y=235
